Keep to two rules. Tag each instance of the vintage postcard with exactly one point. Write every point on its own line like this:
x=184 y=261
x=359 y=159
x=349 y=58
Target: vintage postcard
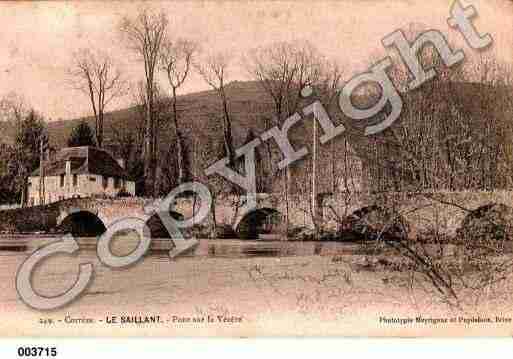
x=256 y=168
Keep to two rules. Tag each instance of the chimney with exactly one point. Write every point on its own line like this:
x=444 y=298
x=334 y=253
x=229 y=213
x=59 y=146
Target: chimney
x=121 y=163
x=68 y=167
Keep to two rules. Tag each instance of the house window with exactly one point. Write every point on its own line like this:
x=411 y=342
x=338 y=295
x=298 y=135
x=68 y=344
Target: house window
x=62 y=180
x=75 y=180
x=92 y=179
x=116 y=182
x=105 y=182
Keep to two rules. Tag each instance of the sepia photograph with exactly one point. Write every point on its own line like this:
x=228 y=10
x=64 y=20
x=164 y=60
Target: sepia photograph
x=256 y=169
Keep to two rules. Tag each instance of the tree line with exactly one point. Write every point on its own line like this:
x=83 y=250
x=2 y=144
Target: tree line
x=451 y=136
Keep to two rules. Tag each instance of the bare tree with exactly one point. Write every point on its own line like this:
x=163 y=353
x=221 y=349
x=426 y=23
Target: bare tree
x=95 y=75
x=13 y=108
x=175 y=60
x=160 y=114
x=214 y=71
x=283 y=70
x=328 y=87
x=145 y=35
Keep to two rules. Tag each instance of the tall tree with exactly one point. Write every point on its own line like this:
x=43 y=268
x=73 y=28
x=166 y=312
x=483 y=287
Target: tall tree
x=81 y=135
x=214 y=71
x=176 y=58
x=13 y=110
x=30 y=133
x=8 y=193
x=145 y=35
x=283 y=69
x=261 y=176
x=95 y=75
x=161 y=113
x=328 y=87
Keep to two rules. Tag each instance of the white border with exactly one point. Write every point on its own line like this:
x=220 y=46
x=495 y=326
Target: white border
x=99 y=348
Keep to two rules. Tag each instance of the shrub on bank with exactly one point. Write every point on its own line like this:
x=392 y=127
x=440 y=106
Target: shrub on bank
x=29 y=219
x=488 y=222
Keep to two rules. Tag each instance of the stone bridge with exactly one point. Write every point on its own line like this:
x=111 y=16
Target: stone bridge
x=447 y=209
x=108 y=210
x=227 y=209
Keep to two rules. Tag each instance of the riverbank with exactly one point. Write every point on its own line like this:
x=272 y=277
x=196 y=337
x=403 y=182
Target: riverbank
x=297 y=295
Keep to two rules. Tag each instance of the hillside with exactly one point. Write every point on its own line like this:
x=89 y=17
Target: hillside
x=197 y=113
x=200 y=119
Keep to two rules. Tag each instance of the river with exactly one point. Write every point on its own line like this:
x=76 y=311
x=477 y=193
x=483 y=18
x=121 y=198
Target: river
x=258 y=287
x=216 y=277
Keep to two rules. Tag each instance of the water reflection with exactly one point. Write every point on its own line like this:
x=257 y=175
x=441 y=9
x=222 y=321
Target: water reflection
x=249 y=249
x=222 y=248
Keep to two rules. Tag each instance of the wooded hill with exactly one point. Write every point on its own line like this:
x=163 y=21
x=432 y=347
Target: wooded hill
x=459 y=127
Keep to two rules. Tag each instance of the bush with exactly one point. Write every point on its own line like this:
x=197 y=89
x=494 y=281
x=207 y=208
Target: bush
x=374 y=222
x=488 y=222
x=224 y=231
x=29 y=219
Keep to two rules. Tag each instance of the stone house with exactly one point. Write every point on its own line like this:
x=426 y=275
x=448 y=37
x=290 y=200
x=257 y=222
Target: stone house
x=77 y=172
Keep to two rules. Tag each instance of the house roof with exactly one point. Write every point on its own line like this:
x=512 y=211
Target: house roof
x=84 y=160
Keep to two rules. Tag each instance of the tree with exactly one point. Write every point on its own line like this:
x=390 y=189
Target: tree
x=452 y=134
x=8 y=192
x=21 y=158
x=145 y=35
x=330 y=81
x=13 y=108
x=81 y=135
x=161 y=114
x=283 y=69
x=31 y=134
x=261 y=176
x=95 y=75
x=214 y=71
x=175 y=60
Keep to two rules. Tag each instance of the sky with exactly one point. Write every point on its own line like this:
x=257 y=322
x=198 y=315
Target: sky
x=38 y=38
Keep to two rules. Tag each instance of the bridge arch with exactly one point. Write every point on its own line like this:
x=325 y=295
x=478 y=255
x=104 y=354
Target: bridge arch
x=82 y=223
x=258 y=221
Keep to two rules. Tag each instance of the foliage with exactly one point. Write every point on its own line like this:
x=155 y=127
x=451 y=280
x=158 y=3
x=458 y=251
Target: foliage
x=8 y=192
x=21 y=159
x=81 y=135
